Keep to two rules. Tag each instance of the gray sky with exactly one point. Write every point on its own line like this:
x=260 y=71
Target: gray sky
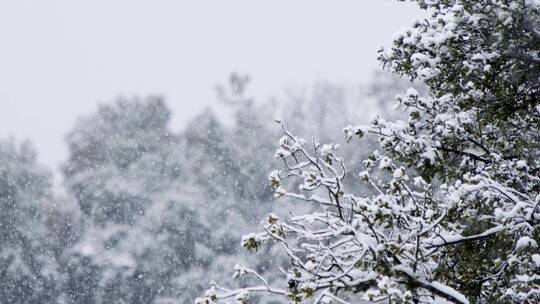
x=58 y=59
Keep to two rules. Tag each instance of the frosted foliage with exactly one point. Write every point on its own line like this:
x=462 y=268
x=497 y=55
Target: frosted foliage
x=453 y=214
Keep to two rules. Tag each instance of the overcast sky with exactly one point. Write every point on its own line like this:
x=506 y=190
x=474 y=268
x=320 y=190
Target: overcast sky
x=58 y=59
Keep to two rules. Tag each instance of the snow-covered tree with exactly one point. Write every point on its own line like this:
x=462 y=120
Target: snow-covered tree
x=148 y=199
x=455 y=212
x=105 y=150
x=126 y=171
x=29 y=273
